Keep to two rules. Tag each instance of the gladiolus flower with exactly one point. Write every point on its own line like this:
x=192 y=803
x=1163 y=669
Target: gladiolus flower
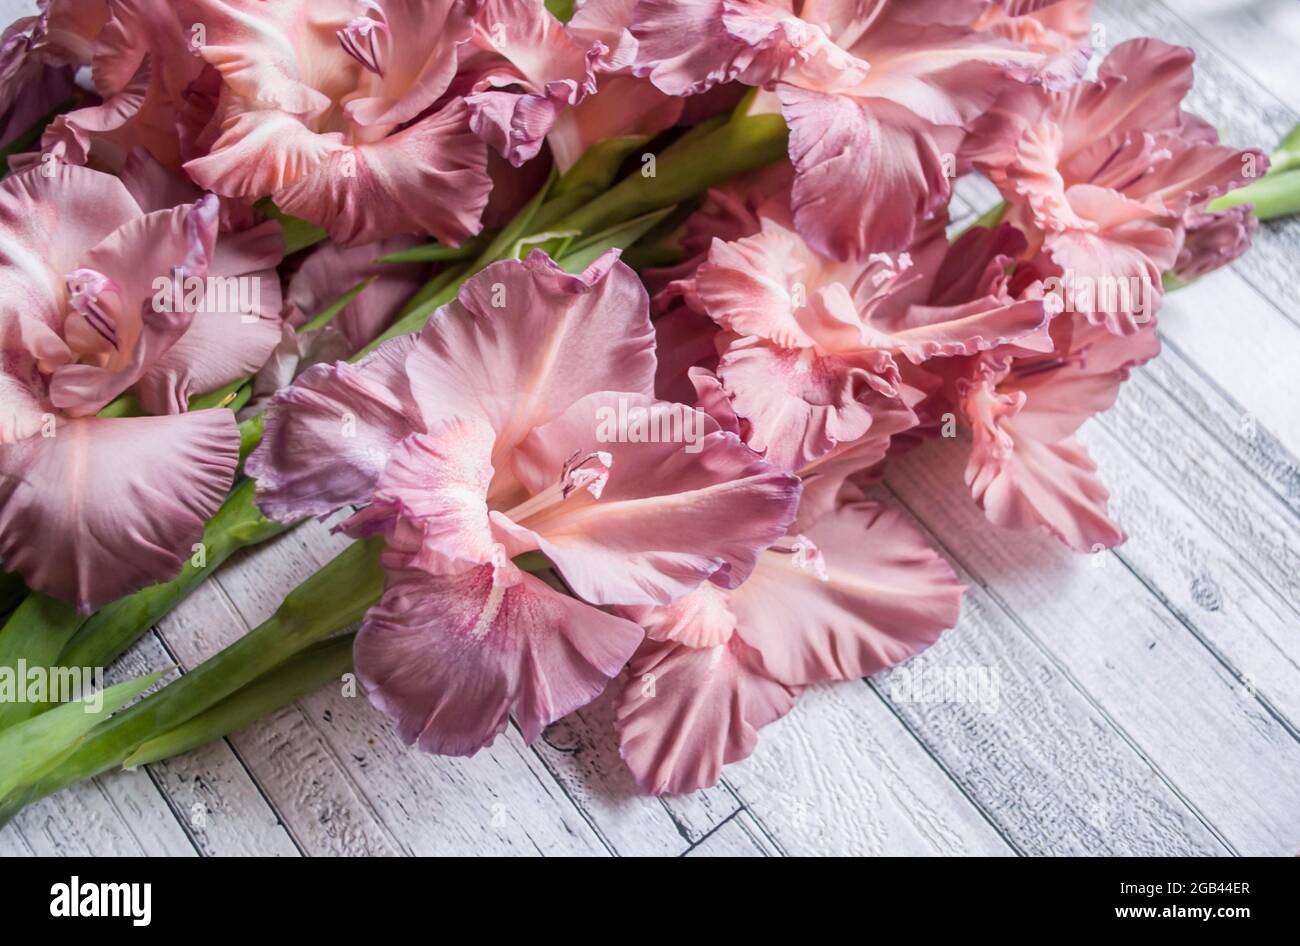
x=878 y=97
x=336 y=109
x=1103 y=176
x=94 y=507
x=484 y=439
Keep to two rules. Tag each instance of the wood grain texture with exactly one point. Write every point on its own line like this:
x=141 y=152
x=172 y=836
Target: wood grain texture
x=1145 y=701
x=1211 y=737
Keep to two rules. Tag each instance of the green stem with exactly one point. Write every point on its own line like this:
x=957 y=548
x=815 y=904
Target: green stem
x=35 y=633
x=1274 y=195
x=685 y=170
x=287 y=683
x=328 y=601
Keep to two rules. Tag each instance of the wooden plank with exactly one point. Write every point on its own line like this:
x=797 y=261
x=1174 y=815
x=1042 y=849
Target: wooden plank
x=122 y=815
x=288 y=757
x=502 y=801
x=1261 y=37
x=738 y=836
x=1031 y=750
x=840 y=776
x=581 y=753
x=1222 y=555
x=1209 y=736
x=210 y=791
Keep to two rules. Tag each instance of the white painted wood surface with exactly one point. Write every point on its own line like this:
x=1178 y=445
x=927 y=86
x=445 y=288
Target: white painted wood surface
x=1148 y=700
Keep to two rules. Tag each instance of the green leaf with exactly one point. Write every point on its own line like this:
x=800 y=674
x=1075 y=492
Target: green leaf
x=597 y=168
x=562 y=10
x=436 y=253
x=1287 y=155
x=31 y=748
x=587 y=251
x=685 y=170
x=297 y=233
x=36 y=632
x=1274 y=195
x=326 y=603
x=292 y=680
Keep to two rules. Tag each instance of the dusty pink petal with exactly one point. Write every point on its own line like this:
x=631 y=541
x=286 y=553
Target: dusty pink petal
x=69 y=136
x=684 y=48
x=701 y=619
x=684 y=713
x=697 y=504
x=871 y=156
x=1139 y=86
x=432 y=496
x=547 y=69
x=942 y=331
x=944 y=74
x=524 y=340
x=606 y=22
x=625 y=106
x=424 y=36
x=153 y=186
x=430 y=177
x=799 y=403
x=684 y=339
x=264 y=50
x=46 y=225
x=1066 y=387
x=824 y=478
x=449 y=658
x=348 y=420
x=1049 y=485
x=886 y=596
x=761 y=285
x=712 y=398
x=331 y=271
x=1214 y=240
x=783 y=46
x=233 y=332
x=171 y=244
x=1121 y=264
x=259 y=153
x=109 y=505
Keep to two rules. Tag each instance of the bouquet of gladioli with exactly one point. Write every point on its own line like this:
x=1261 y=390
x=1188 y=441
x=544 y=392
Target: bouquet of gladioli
x=599 y=319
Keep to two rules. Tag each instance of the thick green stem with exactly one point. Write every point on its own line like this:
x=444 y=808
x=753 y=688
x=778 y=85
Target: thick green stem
x=1274 y=195
x=680 y=173
x=36 y=632
x=294 y=679
x=326 y=603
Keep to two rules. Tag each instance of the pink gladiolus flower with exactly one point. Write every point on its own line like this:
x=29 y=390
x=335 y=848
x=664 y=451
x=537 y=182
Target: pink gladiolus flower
x=875 y=94
x=141 y=69
x=1103 y=176
x=337 y=109
x=91 y=270
x=856 y=593
x=811 y=346
x=34 y=79
x=1026 y=468
x=485 y=438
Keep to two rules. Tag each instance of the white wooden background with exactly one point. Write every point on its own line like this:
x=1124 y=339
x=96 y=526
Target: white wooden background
x=1147 y=706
